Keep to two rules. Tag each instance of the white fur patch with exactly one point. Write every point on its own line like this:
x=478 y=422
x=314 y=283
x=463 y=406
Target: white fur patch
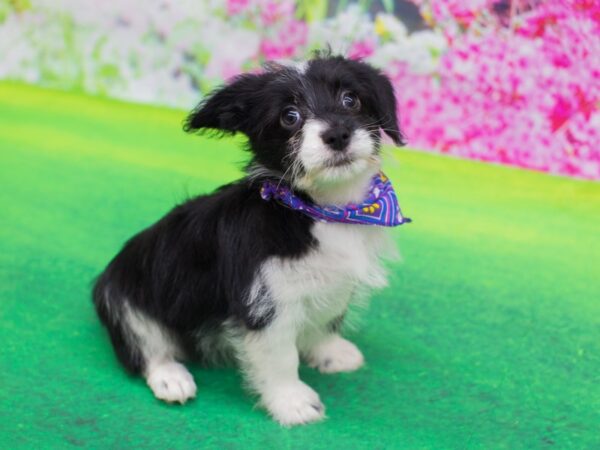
x=154 y=341
x=171 y=382
x=258 y=298
x=335 y=354
x=320 y=284
x=300 y=66
x=313 y=152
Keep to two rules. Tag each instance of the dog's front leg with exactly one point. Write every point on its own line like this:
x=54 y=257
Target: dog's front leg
x=270 y=361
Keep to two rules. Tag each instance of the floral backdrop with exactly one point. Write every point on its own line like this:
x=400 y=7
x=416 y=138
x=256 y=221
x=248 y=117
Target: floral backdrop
x=512 y=82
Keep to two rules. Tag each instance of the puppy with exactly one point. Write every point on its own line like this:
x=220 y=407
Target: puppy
x=264 y=269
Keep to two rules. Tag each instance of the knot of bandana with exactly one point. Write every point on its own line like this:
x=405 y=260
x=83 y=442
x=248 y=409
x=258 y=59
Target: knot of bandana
x=380 y=207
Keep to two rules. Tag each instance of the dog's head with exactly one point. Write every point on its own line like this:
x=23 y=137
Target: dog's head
x=310 y=124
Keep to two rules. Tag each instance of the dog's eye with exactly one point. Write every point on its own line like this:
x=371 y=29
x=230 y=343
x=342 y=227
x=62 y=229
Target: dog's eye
x=350 y=100
x=290 y=117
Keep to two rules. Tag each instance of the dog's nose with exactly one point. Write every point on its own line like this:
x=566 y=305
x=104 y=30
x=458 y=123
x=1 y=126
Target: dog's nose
x=337 y=137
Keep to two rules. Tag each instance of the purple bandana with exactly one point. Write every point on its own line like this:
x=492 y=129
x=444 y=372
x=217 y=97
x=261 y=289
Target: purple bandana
x=380 y=207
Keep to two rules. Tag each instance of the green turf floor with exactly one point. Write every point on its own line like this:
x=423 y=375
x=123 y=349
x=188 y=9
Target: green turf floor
x=488 y=336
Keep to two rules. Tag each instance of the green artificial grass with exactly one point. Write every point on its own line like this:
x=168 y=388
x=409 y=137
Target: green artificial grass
x=487 y=337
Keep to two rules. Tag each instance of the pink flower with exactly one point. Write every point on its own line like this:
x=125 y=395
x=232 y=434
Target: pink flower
x=291 y=36
x=237 y=6
x=361 y=49
x=528 y=98
x=272 y=11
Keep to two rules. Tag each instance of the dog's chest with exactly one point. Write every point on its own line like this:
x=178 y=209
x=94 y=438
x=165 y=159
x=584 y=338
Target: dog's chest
x=347 y=257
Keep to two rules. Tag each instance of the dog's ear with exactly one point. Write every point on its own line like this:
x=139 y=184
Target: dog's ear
x=383 y=99
x=229 y=108
x=386 y=100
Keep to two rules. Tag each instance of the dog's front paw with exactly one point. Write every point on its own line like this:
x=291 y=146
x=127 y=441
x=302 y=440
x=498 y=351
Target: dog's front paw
x=336 y=355
x=171 y=382
x=294 y=404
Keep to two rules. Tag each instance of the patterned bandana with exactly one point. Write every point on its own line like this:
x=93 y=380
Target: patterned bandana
x=379 y=208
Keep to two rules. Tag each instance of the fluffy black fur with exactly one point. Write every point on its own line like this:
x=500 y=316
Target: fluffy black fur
x=195 y=266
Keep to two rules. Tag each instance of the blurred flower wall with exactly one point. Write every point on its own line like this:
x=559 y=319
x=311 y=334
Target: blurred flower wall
x=513 y=82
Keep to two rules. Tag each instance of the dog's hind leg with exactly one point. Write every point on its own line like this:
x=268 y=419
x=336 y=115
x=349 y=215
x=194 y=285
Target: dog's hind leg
x=169 y=380
x=145 y=347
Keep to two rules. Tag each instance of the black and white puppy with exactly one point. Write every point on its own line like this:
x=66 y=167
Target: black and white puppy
x=232 y=274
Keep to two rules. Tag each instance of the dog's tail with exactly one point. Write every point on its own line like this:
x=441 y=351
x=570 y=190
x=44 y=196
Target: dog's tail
x=111 y=308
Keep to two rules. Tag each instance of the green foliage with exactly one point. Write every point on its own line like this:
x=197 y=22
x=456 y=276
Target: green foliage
x=12 y=6
x=312 y=10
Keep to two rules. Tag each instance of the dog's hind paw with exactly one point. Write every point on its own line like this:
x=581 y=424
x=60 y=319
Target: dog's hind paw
x=171 y=382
